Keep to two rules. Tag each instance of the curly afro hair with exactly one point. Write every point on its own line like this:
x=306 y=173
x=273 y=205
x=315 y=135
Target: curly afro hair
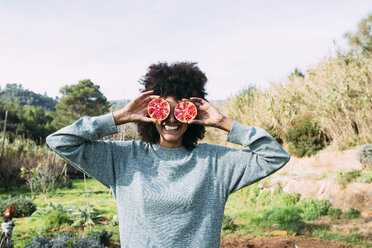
x=181 y=80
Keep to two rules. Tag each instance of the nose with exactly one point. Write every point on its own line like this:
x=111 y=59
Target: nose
x=171 y=117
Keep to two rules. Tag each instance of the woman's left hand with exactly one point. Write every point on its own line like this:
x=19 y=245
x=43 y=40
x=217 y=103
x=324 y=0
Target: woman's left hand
x=209 y=115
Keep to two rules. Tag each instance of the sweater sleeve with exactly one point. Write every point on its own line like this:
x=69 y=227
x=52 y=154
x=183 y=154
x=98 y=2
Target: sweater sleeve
x=78 y=144
x=241 y=167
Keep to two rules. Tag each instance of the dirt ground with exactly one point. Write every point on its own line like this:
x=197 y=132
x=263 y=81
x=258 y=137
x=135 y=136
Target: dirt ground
x=279 y=242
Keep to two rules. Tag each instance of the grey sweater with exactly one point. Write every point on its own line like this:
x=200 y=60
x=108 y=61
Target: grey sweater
x=168 y=197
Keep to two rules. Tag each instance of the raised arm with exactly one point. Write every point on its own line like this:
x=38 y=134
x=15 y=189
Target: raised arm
x=80 y=146
x=241 y=167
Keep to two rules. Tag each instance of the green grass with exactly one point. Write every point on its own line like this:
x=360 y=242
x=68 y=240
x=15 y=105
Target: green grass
x=99 y=197
x=258 y=213
x=252 y=211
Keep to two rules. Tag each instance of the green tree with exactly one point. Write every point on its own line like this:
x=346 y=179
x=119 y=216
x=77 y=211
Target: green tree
x=362 y=38
x=82 y=99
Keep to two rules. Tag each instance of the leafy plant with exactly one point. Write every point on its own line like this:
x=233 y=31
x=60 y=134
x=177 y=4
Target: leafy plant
x=228 y=223
x=285 y=218
x=63 y=241
x=54 y=215
x=364 y=155
x=24 y=205
x=352 y=213
x=290 y=199
x=305 y=137
x=346 y=177
x=312 y=208
x=102 y=236
x=335 y=212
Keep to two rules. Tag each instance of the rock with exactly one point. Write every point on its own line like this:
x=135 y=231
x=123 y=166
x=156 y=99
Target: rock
x=280 y=233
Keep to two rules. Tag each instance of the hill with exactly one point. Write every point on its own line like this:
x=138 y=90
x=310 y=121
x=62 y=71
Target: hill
x=14 y=92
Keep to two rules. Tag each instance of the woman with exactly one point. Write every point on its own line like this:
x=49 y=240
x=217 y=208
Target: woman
x=170 y=191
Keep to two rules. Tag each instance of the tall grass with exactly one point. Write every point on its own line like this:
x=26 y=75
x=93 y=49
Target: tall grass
x=336 y=94
x=20 y=152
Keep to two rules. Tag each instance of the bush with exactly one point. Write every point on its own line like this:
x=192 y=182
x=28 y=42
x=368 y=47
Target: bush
x=312 y=208
x=366 y=179
x=352 y=213
x=286 y=218
x=290 y=199
x=335 y=212
x=63 y=241
x=102 y=236
x=346 y=177
x=305 y=137
x=228 y=223
x=264 y=198
x=54 y=215
x=364 y=155
x=63 y=183
x=24 y=205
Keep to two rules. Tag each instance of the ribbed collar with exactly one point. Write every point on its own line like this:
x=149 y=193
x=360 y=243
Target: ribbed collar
x=175 y=151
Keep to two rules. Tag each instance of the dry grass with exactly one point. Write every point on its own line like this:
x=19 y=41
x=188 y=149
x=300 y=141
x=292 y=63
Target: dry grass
x=337 y=94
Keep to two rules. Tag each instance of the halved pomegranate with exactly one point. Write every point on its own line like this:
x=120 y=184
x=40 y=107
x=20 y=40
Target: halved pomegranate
x=158 y=109
x=185 y=111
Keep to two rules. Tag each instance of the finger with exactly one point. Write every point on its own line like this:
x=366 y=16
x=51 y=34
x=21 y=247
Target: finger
x=150 y=98
x=198 y=122
x=147 y=119
x=149 y=92
x=197 y=99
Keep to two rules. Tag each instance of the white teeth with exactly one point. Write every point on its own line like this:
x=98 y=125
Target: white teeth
x=170 y=127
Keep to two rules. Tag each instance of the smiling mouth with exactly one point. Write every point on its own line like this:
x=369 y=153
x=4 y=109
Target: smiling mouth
x=171 y=128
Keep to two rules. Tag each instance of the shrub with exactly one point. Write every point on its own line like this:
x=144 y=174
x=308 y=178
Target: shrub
x=364 y=155
x=335 y=212
x=264 y=198
x=24 y=205
x=346 y=177
x=63 y=183
x=305 y=137
x=366 y=179
x=290 y=199
x=54 y=215
x=312 y=208
x=286 y=218
x=102 y=236
x=63 y=241
x=228 y=223
x=352 y=213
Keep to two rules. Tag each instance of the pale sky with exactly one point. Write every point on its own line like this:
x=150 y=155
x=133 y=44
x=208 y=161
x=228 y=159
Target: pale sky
x=45 y=45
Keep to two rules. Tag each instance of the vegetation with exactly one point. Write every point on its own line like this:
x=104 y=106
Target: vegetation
x=328 y=105
x=346 y=177
x=65 y=214
x=27 y=121
x=364 y=155
x=24 y=205
x=81 y=99
x=258 y=212
x=16 y=93
x=27 y=154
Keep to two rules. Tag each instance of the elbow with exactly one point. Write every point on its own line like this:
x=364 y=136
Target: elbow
x=51 y=141
x=286 y=158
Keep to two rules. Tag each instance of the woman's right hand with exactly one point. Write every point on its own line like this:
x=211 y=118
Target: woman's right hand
x=136 y=110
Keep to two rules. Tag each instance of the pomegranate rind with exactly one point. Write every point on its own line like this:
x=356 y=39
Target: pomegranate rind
x=185 y=111
x=158 y=109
